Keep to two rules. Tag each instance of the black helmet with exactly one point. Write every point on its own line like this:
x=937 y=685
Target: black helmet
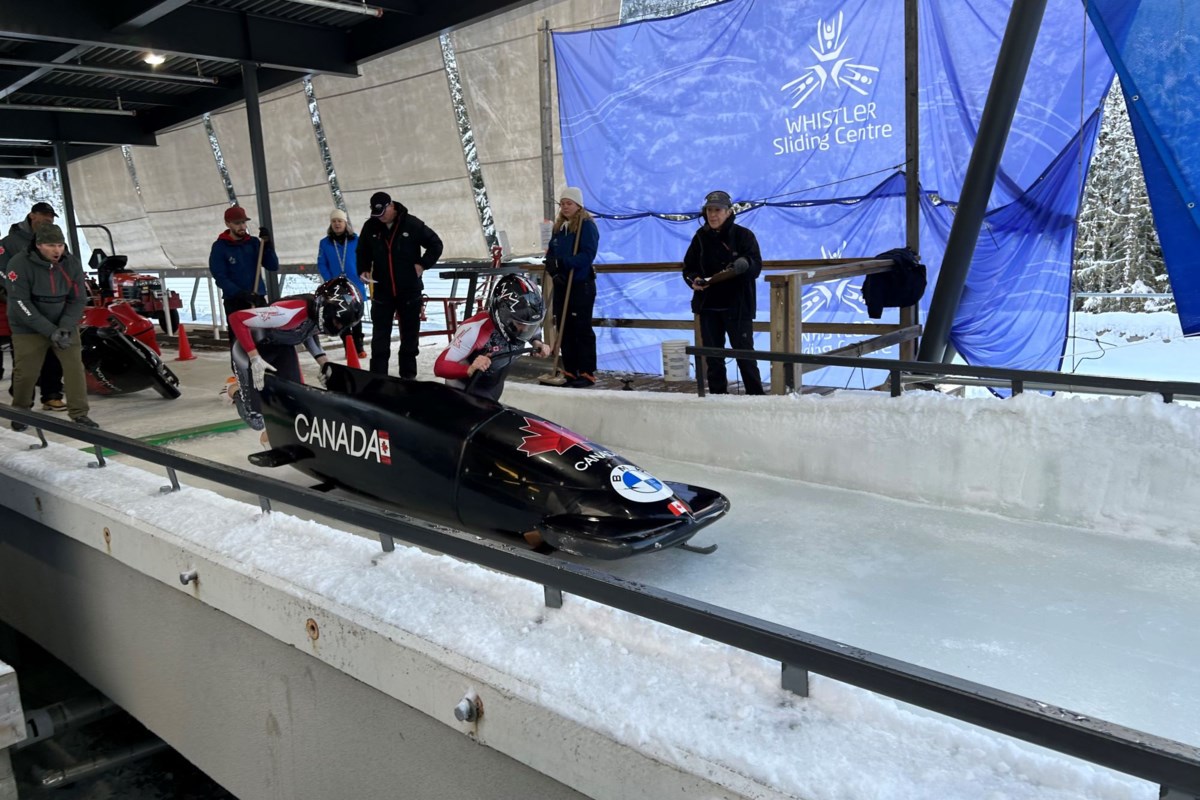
x=338 y=306
x=516 y=308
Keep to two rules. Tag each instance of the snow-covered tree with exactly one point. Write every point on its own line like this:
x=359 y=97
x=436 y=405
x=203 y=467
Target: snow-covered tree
x=1117 y=248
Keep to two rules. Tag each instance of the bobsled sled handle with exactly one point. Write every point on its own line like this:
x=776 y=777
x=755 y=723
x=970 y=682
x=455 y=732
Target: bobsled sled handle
x=518 y=351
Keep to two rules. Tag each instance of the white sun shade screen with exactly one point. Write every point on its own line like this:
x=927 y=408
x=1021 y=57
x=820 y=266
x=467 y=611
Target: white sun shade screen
x=182 y=193
x=300 y=196
x=393 y=129
x=500 y=72
x=104 y=194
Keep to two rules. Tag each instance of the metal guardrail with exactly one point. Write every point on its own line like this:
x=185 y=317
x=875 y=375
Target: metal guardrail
x=1017 y=379
x=1173 y=765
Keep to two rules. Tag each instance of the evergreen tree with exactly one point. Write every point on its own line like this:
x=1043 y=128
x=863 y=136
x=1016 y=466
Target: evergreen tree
x=1116 y=247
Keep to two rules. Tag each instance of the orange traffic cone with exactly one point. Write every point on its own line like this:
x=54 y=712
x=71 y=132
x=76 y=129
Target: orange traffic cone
x=185 y=347
x=351 y=352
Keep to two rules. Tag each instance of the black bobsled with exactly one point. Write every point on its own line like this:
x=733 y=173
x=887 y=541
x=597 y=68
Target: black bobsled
x=449 y=457
x=116 y=363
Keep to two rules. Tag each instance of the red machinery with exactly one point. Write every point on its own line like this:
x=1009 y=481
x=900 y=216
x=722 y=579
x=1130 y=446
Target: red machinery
x=144 y=293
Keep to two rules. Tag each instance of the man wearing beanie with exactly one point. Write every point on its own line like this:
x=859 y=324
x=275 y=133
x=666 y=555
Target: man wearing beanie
x=720 y=268
x=46 y=297
x=394 y=250
x=233 y=262
x=20 y=239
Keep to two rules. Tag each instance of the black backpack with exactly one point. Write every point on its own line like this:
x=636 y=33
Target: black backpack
x=901 y=286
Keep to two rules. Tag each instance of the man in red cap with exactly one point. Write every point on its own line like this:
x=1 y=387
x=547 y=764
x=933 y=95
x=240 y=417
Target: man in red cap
x=394 y=250
x=233 y=262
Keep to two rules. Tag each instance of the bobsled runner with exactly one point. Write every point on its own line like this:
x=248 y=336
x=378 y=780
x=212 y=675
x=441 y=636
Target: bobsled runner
x=449 y=457
x=116 y=357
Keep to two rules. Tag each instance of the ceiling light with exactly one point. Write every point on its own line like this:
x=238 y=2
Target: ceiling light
x=154 y=59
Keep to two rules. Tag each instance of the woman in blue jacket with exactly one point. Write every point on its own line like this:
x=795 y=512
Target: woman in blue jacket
x=570 y=255
x=336 y=258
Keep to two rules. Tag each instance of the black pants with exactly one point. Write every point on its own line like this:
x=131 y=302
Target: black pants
x=406 y=310
x=285 y=360
x=714 y=327
x=578 y=338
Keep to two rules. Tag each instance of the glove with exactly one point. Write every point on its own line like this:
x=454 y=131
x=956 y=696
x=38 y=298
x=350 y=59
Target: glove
x=740 y=265
x=258 y=371
x=552 y=266
x=325 y=374
x=61 y=338
x=265 y=235
x=248 y=299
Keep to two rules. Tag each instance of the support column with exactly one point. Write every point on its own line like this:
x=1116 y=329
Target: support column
x=258 y=157
x=1011 y=66
x=912 y=158
x=547 y=126
x=68 y=211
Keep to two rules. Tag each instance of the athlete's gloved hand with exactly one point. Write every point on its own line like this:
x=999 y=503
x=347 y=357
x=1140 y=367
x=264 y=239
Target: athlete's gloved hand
x=325 y=374
x=61 y=338
x=258 y=371
x=740 y=265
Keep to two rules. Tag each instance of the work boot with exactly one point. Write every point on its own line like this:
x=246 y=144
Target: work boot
x=54 y=404
x=85 y=421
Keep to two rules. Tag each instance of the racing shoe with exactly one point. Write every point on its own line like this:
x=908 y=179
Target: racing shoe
x=85 y=421
x=54 y=404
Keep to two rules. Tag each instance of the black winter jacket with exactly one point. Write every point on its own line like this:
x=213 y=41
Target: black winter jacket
x=44 y=296
x=712 y=251
x=390 y=254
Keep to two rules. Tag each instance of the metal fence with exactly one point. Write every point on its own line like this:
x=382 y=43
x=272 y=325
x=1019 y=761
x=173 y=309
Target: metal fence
x=1173 y=765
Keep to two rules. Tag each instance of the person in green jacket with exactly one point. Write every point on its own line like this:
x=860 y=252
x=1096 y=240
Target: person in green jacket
x=46 y=297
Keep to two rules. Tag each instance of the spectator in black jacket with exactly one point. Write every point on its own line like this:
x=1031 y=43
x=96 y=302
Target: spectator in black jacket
x=394 y=250
x=720 y=268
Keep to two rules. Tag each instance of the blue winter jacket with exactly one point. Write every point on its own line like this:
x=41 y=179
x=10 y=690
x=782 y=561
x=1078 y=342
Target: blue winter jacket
x=333 y=255
x=562 y=247
x=234 y=264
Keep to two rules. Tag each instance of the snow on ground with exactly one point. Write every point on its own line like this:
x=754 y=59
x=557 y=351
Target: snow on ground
x=667 y=693
x=926 y=528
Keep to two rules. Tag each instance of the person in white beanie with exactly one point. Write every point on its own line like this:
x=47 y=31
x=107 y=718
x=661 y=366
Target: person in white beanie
x=569 y=260
x=337 y=258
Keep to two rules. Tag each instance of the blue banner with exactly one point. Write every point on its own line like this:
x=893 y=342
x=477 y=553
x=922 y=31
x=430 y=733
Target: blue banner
x=796 y=108
x=1151 y=44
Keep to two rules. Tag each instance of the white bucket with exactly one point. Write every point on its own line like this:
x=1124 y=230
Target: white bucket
x=676 y=365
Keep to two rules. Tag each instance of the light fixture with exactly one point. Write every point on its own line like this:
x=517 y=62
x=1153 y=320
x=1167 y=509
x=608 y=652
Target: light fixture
x=354 y=8
x=54 y=66
x=118 y=112
x=154 y=59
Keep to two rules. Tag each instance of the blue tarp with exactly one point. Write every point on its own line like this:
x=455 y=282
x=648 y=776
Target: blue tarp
x=796 y=107
x=1153 y=45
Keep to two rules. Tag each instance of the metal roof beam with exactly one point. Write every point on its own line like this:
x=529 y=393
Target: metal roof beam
x=134 y=14
x=79 y=128
x=71 y=91
x=192 y=31
x=395 y=31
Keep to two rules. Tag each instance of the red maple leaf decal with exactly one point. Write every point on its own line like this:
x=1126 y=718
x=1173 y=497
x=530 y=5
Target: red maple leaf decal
x=546 y=436
x=12 y=276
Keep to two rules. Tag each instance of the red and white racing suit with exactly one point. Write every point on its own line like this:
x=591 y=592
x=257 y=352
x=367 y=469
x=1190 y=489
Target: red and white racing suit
x=476 y=336
x=274 y=331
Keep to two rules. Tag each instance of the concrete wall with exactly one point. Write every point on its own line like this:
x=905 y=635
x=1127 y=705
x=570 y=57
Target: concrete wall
x=264 y=719
x=12 y=728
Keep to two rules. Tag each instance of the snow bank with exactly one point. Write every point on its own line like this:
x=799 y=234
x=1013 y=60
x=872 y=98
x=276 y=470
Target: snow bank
x=1116 y=465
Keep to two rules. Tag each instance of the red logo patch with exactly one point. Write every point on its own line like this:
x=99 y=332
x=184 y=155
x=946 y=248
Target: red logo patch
x=12 y=276
x=546 y=436
x=385 y=448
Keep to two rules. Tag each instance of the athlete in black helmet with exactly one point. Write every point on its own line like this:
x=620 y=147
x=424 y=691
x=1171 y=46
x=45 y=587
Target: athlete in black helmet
x=485 y=345
x=266 y=339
